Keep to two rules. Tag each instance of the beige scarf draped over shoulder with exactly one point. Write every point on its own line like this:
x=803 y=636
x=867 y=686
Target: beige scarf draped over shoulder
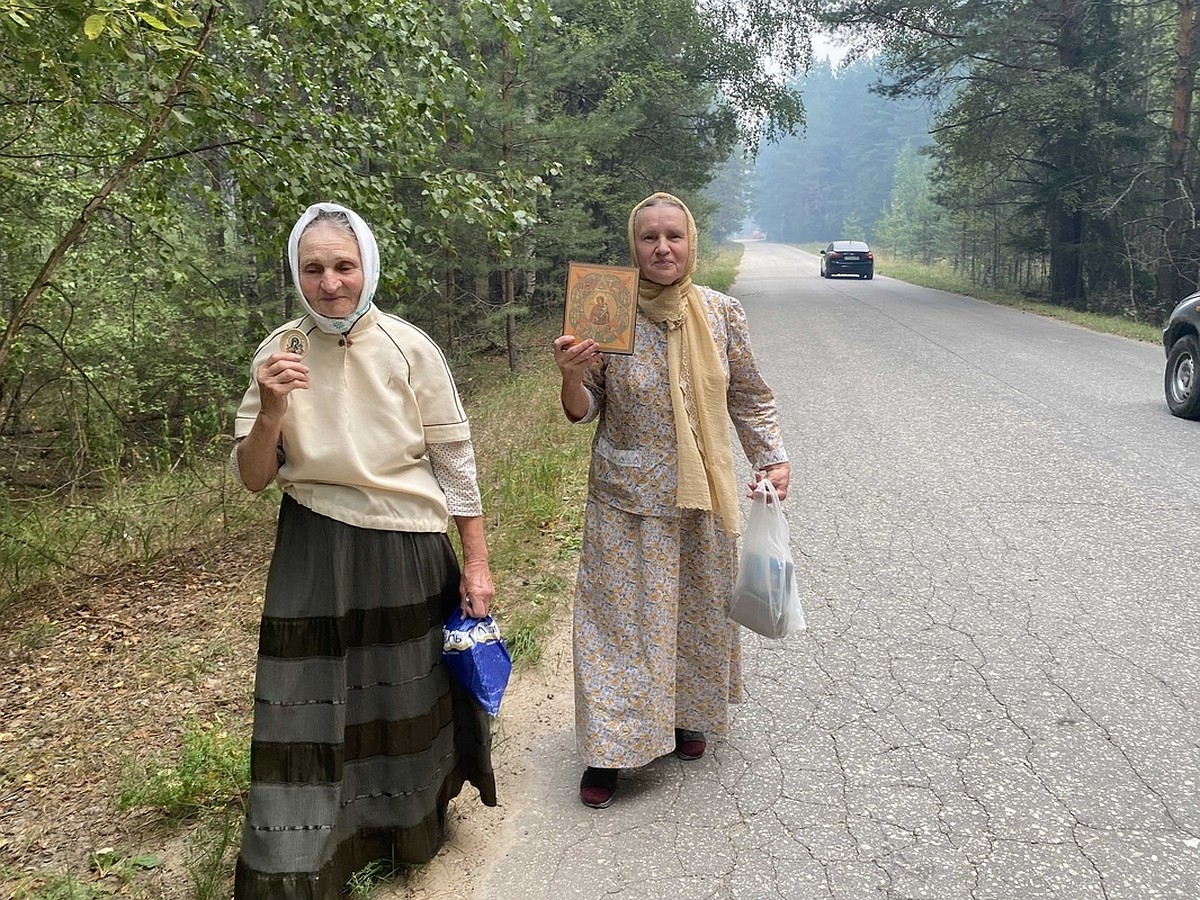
x=698 y=382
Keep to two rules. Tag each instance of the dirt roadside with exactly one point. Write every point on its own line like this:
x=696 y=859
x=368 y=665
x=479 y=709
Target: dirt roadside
x=538 y=701
x=111 y=673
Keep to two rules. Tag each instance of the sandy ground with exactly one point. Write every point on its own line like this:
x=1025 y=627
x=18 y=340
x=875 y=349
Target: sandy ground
x=537 y=701
x=116 y=670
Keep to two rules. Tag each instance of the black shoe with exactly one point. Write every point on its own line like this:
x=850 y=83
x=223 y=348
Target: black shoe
x=598 y=787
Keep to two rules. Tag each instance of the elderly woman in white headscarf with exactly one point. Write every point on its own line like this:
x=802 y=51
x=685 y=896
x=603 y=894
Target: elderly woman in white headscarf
x=360 y=737
x=656 y=660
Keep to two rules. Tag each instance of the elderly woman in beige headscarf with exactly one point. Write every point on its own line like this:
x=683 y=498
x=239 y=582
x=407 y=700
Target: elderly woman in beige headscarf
x=657 y=661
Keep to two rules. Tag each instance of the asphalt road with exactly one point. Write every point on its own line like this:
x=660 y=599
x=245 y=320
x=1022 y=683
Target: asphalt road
x=996 y=524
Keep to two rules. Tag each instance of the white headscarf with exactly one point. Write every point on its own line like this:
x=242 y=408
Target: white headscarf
x=367 y=249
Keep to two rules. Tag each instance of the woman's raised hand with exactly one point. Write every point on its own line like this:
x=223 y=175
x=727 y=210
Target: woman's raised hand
x=574 y=357
x=281 y=374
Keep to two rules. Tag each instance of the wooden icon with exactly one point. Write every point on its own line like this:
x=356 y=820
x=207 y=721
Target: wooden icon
x=602 y=305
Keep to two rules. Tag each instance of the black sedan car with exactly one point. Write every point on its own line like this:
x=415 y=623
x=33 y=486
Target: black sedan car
x=1181 y=340
x=847 y=258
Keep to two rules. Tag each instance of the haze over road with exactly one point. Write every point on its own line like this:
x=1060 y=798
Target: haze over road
x=996 y=523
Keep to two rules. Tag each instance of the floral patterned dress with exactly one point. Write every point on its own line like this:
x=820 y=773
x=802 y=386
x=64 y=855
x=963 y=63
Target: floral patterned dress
x=654 y=650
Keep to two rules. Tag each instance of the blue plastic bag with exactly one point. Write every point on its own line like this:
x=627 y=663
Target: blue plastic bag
x=477 y=656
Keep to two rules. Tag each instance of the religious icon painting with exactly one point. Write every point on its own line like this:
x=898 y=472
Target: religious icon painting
x=602 y=305
x=294 y=341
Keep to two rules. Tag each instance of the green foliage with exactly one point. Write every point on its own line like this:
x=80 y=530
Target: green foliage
x=371 y=876
x=212 y=769
x=210 y=848
x=109 y=863
x=852 y=229
x=369 y=108
x=156 y=154
x=718 y=265
x=610 y=101
x=1046 y=117
x=112 y=872
x=913 y=225
x=151 y=303
x=51 y=536
x=528 y=470
x=942 y=276
x=808 y=186
x=729 y=195
x=65 y=887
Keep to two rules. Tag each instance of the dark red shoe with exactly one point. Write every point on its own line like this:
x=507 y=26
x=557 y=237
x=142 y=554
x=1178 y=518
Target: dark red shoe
x=598 y=787
x=689 y=744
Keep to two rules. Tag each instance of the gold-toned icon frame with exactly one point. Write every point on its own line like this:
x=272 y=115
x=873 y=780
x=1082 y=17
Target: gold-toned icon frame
x=601 y=304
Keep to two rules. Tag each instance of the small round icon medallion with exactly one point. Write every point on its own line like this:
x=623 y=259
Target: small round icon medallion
x=294 y=341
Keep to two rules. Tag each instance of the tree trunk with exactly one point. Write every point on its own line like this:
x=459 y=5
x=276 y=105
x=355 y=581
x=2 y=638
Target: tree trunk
x=1176 y=275
x=284 y=288
x=510 y=279
x=1066 y=222
x=510 y=321
x=1066 y=257
x=451 y=319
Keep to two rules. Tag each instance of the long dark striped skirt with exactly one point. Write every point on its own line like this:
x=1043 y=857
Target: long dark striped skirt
x=361 y=738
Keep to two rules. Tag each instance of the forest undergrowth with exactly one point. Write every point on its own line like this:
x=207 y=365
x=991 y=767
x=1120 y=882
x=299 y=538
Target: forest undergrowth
x=126 y=715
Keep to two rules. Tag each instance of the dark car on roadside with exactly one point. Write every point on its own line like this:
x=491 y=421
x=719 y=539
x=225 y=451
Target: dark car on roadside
x=847 y=258
x=1181 y=340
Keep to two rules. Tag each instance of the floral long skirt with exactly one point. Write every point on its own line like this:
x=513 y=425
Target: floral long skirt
x=361 y=739
x=653 y=648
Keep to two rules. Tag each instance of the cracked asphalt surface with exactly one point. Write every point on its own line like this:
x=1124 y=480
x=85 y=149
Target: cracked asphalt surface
x=996 y=522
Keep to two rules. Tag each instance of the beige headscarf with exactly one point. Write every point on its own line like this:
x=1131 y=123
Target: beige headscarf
x=698 y=383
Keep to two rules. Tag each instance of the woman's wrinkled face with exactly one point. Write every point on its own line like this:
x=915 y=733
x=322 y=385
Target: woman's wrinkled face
x=331 y=272
x=660 y=237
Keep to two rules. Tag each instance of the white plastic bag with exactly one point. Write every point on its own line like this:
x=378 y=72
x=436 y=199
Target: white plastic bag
x=766 y=598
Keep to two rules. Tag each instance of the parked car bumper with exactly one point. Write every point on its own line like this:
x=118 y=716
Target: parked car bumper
x=850 y=268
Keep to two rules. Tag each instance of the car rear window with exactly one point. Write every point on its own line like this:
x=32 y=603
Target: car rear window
x=850 y=245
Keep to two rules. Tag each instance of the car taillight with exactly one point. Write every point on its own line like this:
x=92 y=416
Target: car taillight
x=833 y=254
x=871 y=256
